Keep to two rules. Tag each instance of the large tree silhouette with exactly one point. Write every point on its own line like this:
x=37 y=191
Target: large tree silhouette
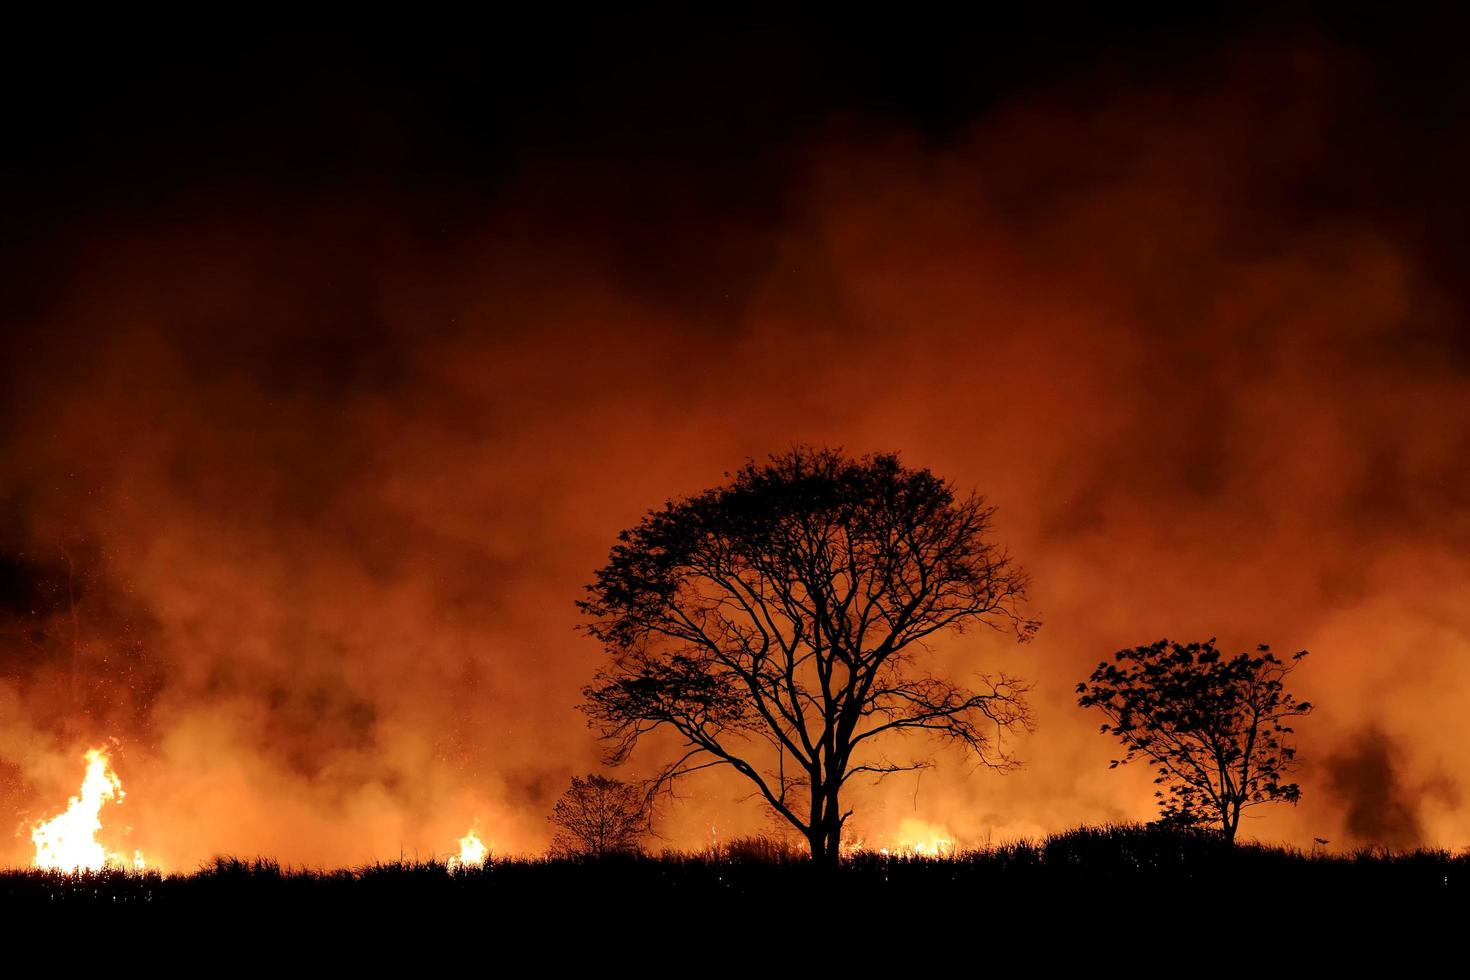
x=776 y=624
x=1214 y=728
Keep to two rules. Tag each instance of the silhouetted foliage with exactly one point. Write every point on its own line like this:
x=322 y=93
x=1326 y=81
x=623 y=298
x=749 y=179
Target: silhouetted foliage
x=764 y=848
x=598 y=817
x=1214 y=727
x=1085 y=875
x=774 y=623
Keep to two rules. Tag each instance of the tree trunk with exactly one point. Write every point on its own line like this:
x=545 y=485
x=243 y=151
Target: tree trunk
x=824 y=849
x=826 y=833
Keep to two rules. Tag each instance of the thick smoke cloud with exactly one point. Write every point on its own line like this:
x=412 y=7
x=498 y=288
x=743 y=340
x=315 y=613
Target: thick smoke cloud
x=299 y=494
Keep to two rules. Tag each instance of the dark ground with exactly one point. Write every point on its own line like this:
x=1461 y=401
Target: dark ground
x=1121 y=863
x=1098 y=902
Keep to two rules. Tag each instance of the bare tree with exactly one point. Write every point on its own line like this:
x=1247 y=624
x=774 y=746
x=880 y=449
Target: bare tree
x=599 y=816
x=1214 y=728
x=776 y=625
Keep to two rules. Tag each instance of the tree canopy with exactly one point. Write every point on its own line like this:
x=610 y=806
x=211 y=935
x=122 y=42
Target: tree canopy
x=598 y=816
x=777 y=626
x=1215 y=728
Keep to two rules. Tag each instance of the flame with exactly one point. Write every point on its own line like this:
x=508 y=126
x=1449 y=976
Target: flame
x=917 y=838
x=473 y=852
x=914 y=838
x=934 y=847
x=69 y=842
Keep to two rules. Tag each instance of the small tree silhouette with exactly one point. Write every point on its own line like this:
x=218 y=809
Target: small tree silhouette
x=1214 y=727
x=599 y=816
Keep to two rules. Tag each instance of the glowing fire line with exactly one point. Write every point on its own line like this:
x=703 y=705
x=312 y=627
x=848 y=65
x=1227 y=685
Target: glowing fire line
x=913 y=839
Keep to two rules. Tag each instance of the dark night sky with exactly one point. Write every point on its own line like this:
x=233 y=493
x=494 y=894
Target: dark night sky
x=671 y=147
x=687 y=121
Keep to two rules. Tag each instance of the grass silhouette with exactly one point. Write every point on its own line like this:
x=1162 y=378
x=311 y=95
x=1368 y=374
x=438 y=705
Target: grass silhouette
x=1123 y=862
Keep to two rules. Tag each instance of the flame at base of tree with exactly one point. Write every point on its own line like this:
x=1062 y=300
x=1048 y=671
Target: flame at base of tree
x=69 y=842
x=473 y=852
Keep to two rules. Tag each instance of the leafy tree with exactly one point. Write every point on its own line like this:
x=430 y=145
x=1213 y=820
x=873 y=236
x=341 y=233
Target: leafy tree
x=599 y=816
x=775 y=625
x=1215 y=727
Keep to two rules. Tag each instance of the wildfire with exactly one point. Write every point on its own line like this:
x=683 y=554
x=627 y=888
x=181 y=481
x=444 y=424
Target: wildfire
x=472 y=852
x=915 y=838
x=69 y=842
x=935 y=847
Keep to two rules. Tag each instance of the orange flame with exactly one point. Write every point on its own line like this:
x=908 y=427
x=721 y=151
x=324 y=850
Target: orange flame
x=69 y=842
x=473 y=852
x=914 y=838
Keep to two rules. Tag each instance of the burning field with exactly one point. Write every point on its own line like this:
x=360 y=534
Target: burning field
x=333 y=372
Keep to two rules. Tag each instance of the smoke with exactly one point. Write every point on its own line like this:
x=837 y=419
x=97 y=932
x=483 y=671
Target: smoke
x=1378 y=809
x=1379 y=805
x=299 y=493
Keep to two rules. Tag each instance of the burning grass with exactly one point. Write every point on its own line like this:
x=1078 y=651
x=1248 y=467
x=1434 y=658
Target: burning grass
x=1082 y=864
